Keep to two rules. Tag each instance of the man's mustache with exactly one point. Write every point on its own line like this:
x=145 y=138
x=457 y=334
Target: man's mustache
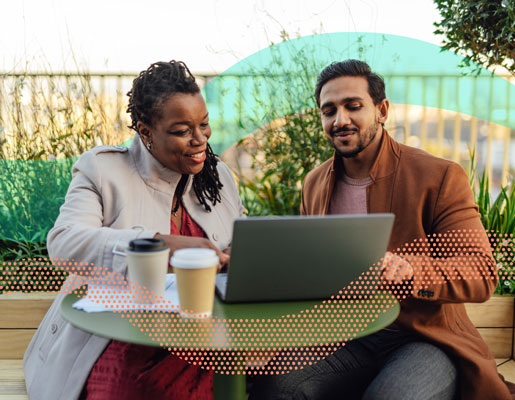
x=343 y=129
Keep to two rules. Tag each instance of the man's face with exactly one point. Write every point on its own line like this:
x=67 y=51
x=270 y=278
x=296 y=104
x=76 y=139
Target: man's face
x=349 y=117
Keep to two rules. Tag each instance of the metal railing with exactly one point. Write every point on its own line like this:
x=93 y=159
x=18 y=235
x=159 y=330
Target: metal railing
x=448 y=134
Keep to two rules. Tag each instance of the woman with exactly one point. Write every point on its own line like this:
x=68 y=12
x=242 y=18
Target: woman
x=169 y=185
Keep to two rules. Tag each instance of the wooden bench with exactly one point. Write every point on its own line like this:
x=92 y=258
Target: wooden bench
x=495 y=322
x=21 y=313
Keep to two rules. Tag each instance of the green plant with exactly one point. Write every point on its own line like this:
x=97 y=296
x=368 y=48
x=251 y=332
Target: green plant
x=56 y=117
x=31 y=193
x=30 y=275
x=283 y=154
x=286 y=149
x=498 y=218
x=46 y=122
x=482 y=30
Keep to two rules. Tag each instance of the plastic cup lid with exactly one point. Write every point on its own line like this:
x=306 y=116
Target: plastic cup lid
x=194 y=258
x=147 y=245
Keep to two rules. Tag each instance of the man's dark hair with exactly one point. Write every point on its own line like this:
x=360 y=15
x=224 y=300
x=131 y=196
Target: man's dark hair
x=352 y=68
x=149 y=91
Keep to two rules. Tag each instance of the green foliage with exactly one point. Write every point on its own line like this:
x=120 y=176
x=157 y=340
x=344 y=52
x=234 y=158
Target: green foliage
x=30 y=275
x=497 y=216
x=31 y=193
x=482 y=30
x=285 y=150
x=45 y=124
x=283 y=155
x=54 y=118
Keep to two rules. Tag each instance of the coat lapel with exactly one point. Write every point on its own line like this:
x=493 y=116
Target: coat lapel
x=328 y=186
x=382 y=173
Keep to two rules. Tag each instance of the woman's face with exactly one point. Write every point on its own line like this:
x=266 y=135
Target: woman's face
x=179 y=133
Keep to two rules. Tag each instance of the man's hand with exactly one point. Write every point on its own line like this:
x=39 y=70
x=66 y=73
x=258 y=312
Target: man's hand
x=395 y=269
x=176 y=242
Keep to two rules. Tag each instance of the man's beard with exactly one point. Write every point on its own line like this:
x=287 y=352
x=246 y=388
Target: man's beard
x=369 y=134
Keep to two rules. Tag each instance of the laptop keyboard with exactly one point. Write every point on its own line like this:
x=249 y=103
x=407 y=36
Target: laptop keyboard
x=221 y=283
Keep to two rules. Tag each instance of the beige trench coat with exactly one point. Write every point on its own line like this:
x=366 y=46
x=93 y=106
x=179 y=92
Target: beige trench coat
x=116 y=195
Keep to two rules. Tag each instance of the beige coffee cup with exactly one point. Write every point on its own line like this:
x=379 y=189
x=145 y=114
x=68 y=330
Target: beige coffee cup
x=195 y=270
x=147 y=262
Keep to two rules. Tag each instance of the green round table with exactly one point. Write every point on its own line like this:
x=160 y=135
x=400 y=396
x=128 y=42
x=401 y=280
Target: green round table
x=349 y=319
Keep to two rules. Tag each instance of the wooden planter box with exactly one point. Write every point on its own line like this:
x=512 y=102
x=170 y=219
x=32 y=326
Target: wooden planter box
x=495 y=322
x=20 y=314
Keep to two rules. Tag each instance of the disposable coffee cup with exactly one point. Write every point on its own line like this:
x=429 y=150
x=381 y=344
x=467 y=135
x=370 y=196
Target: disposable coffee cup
x=195 y=270
x=147 y=261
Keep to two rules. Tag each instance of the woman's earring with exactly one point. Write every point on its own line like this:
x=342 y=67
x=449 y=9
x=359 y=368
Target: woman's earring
x=149 y=145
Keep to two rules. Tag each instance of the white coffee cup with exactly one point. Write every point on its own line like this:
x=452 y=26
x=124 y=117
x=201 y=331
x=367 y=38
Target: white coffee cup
x=147 y=261
x=195 y=269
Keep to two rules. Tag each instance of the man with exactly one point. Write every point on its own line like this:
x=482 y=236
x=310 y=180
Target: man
x=432 y=351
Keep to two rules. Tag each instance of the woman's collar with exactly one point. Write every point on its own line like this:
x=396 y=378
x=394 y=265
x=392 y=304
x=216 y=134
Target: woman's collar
x=152 y=171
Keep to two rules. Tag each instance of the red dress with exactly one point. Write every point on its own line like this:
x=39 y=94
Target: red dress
x=134 y=372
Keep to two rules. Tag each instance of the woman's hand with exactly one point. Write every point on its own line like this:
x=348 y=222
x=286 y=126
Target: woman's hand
x=225 y=266
x=176 y=242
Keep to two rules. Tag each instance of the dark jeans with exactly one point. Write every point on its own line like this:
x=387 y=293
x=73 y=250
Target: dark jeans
x=390 y=364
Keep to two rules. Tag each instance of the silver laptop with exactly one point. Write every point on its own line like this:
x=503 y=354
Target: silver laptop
x=301 y=258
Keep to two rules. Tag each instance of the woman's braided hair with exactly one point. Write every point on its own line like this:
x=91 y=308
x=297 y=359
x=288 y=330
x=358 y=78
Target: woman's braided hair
x=149 y=91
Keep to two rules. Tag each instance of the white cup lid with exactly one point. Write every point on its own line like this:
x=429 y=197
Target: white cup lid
x=194 y=258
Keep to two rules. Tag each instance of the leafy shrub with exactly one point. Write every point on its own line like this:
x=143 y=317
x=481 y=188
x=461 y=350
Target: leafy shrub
x=482 y=30
x=45 y=124
x=498 y=218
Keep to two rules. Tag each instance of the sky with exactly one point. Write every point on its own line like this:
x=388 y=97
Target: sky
x=209 y=35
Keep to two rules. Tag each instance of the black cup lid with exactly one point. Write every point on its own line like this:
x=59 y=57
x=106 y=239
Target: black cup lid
x=144 y=245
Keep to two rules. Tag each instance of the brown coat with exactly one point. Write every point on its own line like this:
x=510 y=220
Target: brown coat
x=428 y=195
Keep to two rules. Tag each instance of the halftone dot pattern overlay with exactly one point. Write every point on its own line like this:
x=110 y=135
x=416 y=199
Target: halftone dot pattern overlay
x=430 y=267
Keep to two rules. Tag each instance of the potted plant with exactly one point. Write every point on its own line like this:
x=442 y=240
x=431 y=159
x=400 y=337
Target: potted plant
x=494 y=318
